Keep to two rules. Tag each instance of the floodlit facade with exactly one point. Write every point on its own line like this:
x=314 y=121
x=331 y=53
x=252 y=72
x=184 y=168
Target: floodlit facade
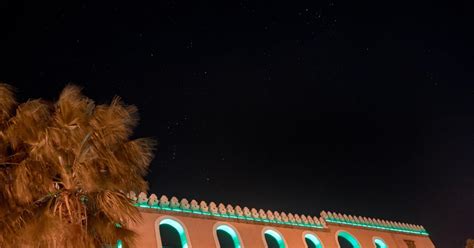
x=181 y=224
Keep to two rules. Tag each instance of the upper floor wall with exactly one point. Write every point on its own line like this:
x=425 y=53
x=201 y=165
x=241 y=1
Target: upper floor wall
x=200 y=232
x=199 y=225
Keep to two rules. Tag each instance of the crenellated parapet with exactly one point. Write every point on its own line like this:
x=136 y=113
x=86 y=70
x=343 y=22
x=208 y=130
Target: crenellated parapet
x=373 y=223
x=221 y=210
x=214 y=210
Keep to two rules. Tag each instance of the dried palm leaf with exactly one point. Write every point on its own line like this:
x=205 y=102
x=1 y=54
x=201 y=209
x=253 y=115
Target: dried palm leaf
x=63 y=169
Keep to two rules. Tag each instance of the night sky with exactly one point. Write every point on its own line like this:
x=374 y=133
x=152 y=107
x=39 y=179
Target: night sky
x=300 y=106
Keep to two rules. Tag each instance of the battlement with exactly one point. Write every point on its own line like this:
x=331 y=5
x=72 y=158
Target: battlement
x=360 y=221
x=267 y=217
x=225 y=211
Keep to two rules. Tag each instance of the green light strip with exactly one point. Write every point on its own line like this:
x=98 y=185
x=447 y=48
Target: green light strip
x=230 y=231
x=277 y=237
x=404 y=230
x=228 y=216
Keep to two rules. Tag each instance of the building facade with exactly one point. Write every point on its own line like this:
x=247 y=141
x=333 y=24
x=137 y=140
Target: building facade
x=178 y=223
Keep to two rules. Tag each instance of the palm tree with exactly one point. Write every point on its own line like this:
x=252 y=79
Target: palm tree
x=470 y=243
x=64 y=171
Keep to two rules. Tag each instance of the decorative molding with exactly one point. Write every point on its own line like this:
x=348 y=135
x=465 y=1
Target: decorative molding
x=360 y=221
x=268 y=217
x=224 y=211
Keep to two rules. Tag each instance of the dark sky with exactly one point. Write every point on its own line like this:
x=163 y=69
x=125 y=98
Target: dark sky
x=357 y=107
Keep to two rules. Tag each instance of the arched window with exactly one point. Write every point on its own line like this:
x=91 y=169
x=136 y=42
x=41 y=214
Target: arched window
x=346 y=240
x=119 y=244
x=227 y=237
x=379 y=243
x=312 y=241
x=274 y=239
x=172 y=234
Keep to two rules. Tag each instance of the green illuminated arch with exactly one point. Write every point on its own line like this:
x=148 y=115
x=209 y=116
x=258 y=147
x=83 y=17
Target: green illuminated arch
x=170 y=223
x=230 y=232
x=312 y=241
x=273 y=239
x=379 y=243
x=349 y=238
x=119 y=244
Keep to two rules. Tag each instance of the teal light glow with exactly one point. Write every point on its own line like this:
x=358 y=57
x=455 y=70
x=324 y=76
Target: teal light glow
x=119 y=243
x=350 y=238
x=178 y=228
x=228 y=216
x=374 y=226
x=380 y=244
x=277 y=236
x=232 y=233
x=316 y=242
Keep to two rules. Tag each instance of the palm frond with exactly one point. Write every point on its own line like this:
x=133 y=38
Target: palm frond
x=63 y=169
x=7 y=102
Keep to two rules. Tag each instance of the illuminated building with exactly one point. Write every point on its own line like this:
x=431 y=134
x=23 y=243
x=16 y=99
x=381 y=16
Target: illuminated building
x=180 y=223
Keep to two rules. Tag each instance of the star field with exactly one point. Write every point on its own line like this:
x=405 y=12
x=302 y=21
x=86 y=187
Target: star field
x=358 y=107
